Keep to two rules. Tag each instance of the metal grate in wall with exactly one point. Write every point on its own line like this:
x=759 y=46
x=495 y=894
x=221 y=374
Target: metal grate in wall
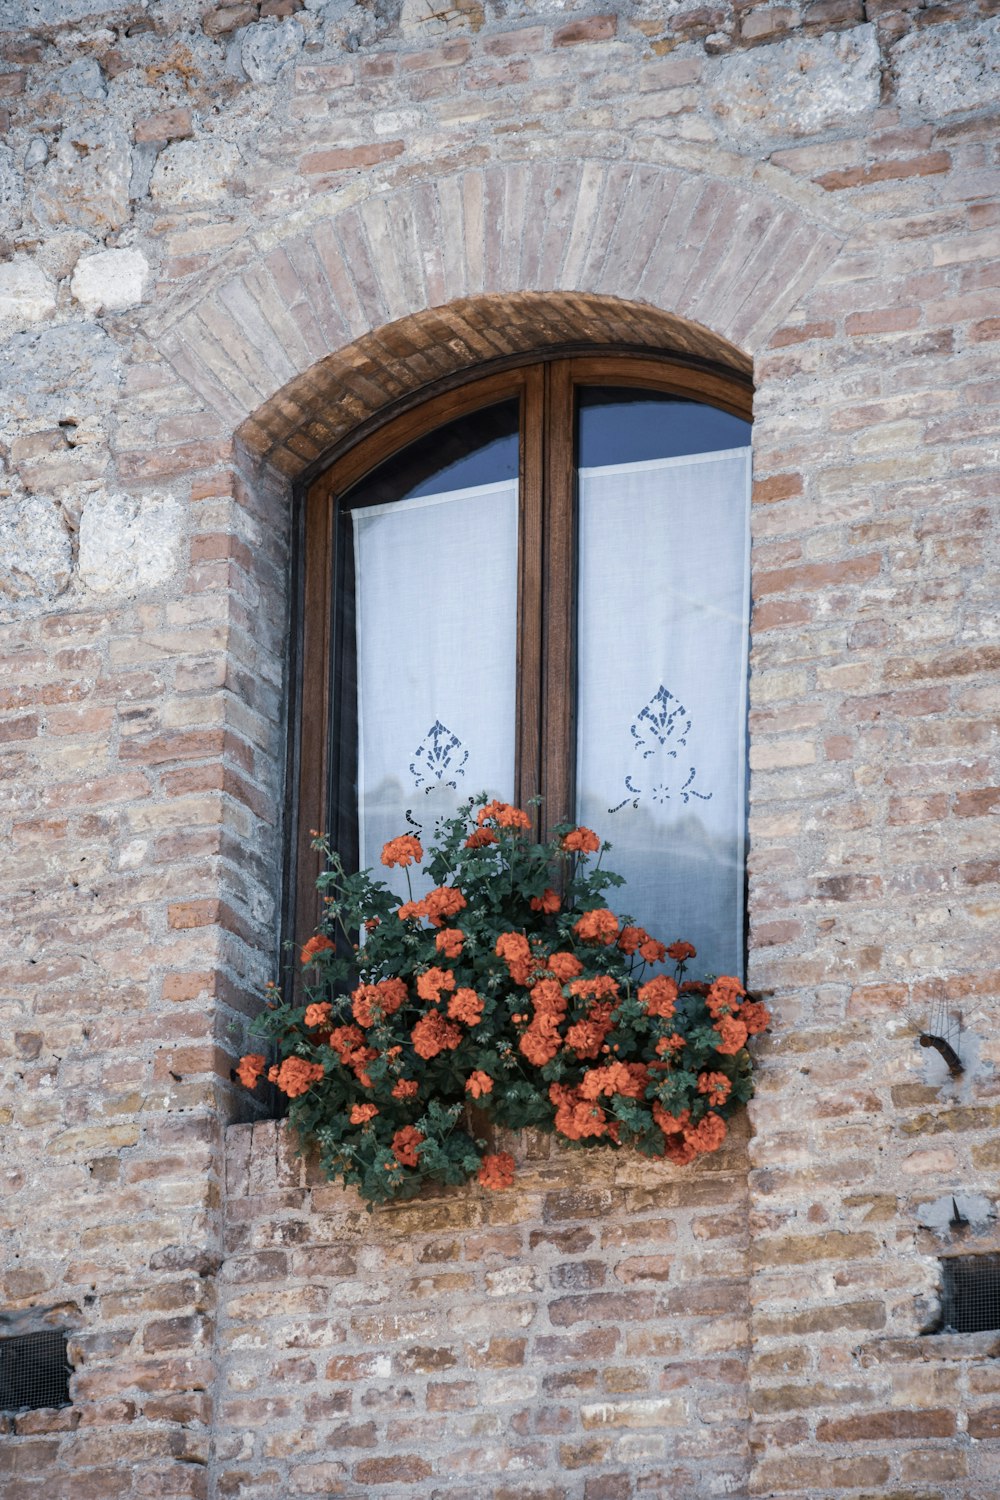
x=970 y=1293
x=34 y=1371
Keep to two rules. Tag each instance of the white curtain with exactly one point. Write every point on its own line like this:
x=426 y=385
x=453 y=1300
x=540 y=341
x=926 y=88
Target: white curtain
x=436 y=601
x=662 y=673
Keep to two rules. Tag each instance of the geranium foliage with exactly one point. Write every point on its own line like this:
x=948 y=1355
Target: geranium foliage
x=511 y=991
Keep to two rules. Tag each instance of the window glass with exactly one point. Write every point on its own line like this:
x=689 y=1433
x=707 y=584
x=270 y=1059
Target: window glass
x=431 y=548
x=662 y=632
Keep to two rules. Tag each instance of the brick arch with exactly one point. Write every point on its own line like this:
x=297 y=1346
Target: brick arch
x=403 y=287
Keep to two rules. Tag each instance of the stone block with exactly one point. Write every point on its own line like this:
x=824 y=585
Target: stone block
x=11 y=190
x=110 y=280
x=26 y=295
x=85 y=182
x=948 y=69
x=267 y=47
x=36 y=554
x=798 y=87
x=194 y=173
x=129 y=544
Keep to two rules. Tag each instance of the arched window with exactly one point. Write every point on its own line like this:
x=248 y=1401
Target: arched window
x=537 y=583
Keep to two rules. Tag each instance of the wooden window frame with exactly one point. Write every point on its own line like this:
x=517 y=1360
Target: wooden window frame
x=545 y=386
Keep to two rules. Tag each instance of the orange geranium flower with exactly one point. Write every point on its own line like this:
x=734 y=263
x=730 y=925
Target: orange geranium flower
x=465 y=1005
x=249 y=1069
x=443 y=902
x=716 y=1087
x=392 y=994
x=630 y=938
x=433 y=1034
x=540 y=1042
x=365 y=1006
x=600 y=987
x=708 y=1134
x=296 y=1076
x=497 y=1171
x=755 y=1016
x=504 y=815
x=362 y=1113
x=581 y=841
x=314 y=947
x=659 y=997
x=652 y=951
x=402 y=851
x=404 y=1145
x=448 y=942
x=318 y=1014
x=565 y=966
x=724 y=996
x=548 y=902
x=598 y=926
x=733 y=1034
x=406 y=1088
x=547 y=998
x=681 y=952
x=478 y=1083
x=433 y=983
x=627 y=1079
x=411 y=911
x=672 y=1043
x=576 y=1118
x=586 y=1037
x=480 y=838
x=515 y=951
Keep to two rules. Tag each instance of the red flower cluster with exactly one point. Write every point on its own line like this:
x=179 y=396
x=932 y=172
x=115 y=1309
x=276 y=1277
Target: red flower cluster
x=581 y=841
x=497 y=1172
x=295 y=1076
x=402 y=851
x=599 y=926
x=313 y=948
x=504 y=816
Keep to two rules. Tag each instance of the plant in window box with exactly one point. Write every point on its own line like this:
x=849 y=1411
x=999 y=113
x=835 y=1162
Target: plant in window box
x=511 y=986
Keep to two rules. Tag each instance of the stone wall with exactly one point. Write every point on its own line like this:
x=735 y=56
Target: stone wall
x=228 y=236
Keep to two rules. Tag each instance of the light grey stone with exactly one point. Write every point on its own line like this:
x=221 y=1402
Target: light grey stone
x=58 y=374
x=191 y=173
x=26 y=295
x=11 y=190
x=974 y=1207
x=111 y=280
x=85 y=182
x=267 y=47
x=803 y=86
x=16 y=15
x=36 y=554
x=82 y=79
x=59 y=252
x=144 y=155
x=948 y=69
x=128 y=544
x=36 y=153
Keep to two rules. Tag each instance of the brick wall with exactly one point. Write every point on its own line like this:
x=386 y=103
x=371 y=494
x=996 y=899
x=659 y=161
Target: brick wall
x=557 y=1341
x=228 y=235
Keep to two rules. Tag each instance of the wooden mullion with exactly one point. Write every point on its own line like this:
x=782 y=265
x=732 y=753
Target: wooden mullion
x=314 y=699
x=559 y=600
x=528 y=772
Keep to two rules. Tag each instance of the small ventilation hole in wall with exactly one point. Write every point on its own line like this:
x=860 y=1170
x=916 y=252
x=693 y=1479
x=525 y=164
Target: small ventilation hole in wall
x=34 y=1371
x=970 y=1293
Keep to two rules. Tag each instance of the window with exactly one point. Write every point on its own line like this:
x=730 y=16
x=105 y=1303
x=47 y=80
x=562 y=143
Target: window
x=537 y=583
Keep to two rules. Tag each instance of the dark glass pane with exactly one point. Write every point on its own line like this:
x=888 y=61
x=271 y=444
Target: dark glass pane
x=477 y=449
x=620 y=426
